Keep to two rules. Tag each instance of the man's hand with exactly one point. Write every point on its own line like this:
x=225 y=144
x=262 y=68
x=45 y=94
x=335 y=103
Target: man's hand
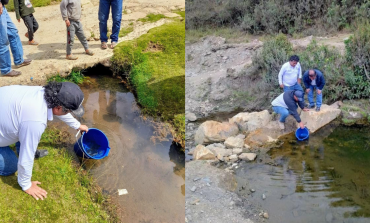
x=19 y=20
x=307 y=90
x=318 y=91
x=282 y=85
x=36 y=191
x=306 y=109
x=1 y=8
x=299 y=81
x=301 y=125
x=68 y=23
x=83 y=128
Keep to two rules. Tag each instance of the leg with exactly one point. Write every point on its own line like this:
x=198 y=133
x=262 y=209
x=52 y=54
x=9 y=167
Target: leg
x=35 y=24
x=81 y=35
x=310 y=96
x=29 y=24
x=14 y=40
x=297 y=87
x=5 y=62
x=318 y=99
x=116 y=17
x=104 y=6
x=70 y=37
x=286 y=88
x=282 y=111
x=8 y=161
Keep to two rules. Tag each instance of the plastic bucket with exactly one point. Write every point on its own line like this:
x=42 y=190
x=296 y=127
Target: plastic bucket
x=302 y=134
x=92 y=145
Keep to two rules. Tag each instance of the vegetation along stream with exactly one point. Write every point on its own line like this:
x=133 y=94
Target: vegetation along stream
x=324 y=179
x=143 y=160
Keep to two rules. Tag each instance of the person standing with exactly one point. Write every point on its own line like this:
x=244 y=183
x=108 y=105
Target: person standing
x=314 y=79
x=104 y=7
x=23 y=9
x=286 y=103
x=290 y=75
x=9 y=36
x=23 y=118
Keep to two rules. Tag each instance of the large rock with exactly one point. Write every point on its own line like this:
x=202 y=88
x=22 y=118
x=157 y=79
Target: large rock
x=247 y=156
x=315 y=120
x=212 y=131
x=234 y=142
x=202 y=153
x=219 y=150
x=251 y=121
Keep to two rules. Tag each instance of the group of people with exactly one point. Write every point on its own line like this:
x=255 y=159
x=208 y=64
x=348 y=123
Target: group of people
x=290 y=78
x=71 y=14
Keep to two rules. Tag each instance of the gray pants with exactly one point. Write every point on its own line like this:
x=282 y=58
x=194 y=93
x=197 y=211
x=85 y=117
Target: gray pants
x=75 y=28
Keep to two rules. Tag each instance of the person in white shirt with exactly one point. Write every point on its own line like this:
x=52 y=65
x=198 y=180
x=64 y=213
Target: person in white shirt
x=24 y=113
x=290 y=75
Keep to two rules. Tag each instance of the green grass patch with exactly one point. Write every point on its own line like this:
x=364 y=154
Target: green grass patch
x=75 y=76
x=152 y=17
x=155 y=64
x=72 y=196
x=181 y=13
x=126 y=30
x=35 y=3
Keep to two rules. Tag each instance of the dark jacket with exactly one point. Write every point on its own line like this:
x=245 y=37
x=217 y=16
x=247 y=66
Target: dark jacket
x=320 y=80
x=21 y=10
x=4 y=2
x=292 y=104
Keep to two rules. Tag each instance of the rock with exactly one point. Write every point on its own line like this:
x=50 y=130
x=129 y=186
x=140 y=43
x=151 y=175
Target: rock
x=202 y=153
x=194 y=202
x=193 y=189
x=196 y=179
x=237 y=151
x=315 y=120
x=240 y=136
x=212 y=131
x=191 y=117
x=337 y=104
x=265 y=215
x=247 y=156
x=234 y=142
x=263 y=196
x=233 y=158
x=252 y=190
x=251 y=121
x=329 y=217
x=219 y=152
x=191 y=151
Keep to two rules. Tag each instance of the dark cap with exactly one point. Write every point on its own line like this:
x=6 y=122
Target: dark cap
x=299 y=95
x=71 y=96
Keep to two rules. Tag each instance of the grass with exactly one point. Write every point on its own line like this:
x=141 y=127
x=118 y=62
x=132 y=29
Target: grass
x=72 y=196
x=75 y=76
x=155 y=65
x=35 y=3
x=152 y=17
x=126 y=30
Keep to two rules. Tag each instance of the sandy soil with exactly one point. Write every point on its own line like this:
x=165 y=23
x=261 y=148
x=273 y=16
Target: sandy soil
x=49 y=57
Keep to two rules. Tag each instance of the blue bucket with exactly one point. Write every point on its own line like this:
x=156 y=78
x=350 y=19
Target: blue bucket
x=302 y=134
x=92 y=145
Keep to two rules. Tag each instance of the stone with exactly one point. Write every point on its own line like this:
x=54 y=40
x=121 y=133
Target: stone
x=237 y=151
x=315 y=120
x=191 y=117
x=248 y=156
x=251 y=121
x=240 y=136
x=263 y=196
x=191 y=151
x=212 y=131
x=233 y=158
x=234 y=142
x=219 y=152
x=128 y=11
x=252 y=190
x=193 y=189
x=202 y=153
x=194 y=202
x=265 y=215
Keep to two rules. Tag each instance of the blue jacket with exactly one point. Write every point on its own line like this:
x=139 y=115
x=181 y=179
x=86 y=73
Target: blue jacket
x=320 y=80
x=292 y=104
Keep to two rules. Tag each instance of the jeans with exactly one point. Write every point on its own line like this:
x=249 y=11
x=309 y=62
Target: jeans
x=294 y=87
x=9 y=35
x=282 y=111
x=318 y=97
x=104 y=6
x=8 y=160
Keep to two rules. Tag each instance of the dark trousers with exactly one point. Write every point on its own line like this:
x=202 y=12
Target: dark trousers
x=31 y=24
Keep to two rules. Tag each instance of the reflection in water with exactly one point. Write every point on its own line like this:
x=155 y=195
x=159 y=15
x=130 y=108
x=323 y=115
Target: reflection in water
x=324 y=179
x=152 y=173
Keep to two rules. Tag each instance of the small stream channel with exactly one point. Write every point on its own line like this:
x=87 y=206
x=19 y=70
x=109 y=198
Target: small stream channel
x=324 y=179
x=142 y=159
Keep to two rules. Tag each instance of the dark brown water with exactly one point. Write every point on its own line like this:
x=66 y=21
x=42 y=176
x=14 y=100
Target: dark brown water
x=142 y=159
x=325 y=179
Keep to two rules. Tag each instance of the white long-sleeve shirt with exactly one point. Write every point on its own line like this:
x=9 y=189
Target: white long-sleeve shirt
x=289 y=75
x=23 y=117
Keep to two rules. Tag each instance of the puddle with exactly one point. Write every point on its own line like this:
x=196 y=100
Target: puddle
x=142 y=159
x=325 y=179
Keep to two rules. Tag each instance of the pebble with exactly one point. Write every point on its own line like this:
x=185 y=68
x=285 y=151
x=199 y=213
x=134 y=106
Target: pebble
x=252 y=190
x=263 y=196
x=193 y=188
x=194 y=202
x=196 y=179
x=208 y=184
x=231 y=203
x=265 y=215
